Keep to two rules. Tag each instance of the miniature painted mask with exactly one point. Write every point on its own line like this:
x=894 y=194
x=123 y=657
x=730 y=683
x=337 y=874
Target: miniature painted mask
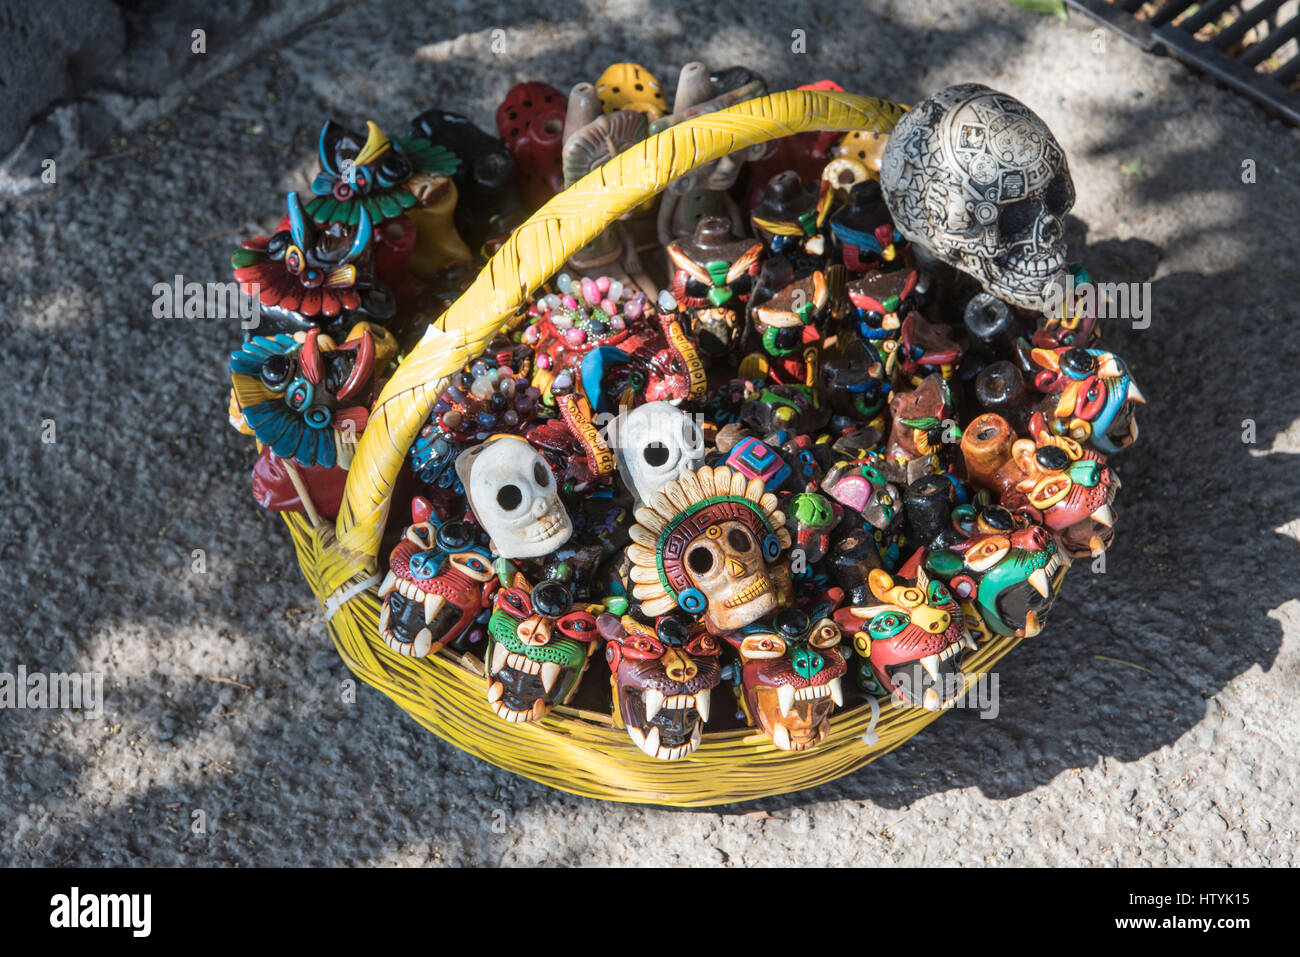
x=791 y=675
x=974 y=176
x=309 y=401
x=654 y=443
x=710 y=543
x=881 y=299
x=307 y=276
x=439 y=581
x=663 y=679
x=1006 y=575
x=919 y=421
x=912 y=639
x=790 y=217
x=713 y=278
x=538 y=645
x=384 y=177
x=1091 y=397
x=1050 y=478
x=513 y=495
x=789 y=323
x=865 y=231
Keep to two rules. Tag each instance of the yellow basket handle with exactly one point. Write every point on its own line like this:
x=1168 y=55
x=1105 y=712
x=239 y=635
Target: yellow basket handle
x=540 y=247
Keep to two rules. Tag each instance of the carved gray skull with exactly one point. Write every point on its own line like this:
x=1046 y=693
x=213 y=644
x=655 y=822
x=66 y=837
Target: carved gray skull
x=975 y=177
x=653 y=444
x=512 y=493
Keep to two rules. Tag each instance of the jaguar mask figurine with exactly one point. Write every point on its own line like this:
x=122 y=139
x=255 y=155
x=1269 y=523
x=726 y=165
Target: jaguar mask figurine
x=911 y=640
x=1050 y=478
x=791 y=675
x=662 y=680
x=538 y=645
x=439 y=581
x=1006 y=574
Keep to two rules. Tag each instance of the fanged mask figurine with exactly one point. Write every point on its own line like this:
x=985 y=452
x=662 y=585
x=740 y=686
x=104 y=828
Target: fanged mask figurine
x=710 y=543
x=912 y=640
x=307 y=276
x=538 y=645
x=439 y=581
x=1050 y=478
x=791 y=675
x=1006 y=575
x=1091 y=397
x=513 y=495
x=662 y=682
x=713 y=277
x=975 y=177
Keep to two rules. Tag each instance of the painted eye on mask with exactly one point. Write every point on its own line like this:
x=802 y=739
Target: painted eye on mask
x=1091 y=400
x=825 y=635
x=938 y=594
x=294 y=260
x=888 y=624
x=762 y=647
x=987 y=553
x=578 y=625
x=515 y=601
x=704 y=645
x=1050 y=491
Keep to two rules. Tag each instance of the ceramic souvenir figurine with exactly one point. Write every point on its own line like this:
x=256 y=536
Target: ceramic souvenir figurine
x=662 y=680
x=855 y=385
x=390 y=178
x=785 y=408
x=513 y=495
x=440 y=581
x=488 y=205
x=1050 y=478
x=311 y=277
x=1006 y=574
x=711 y=543
x=530 y=121
x=1091 y=397
x=978 y=180
x=790 y=323
x=865 y=233
x=860 y=484
x=704 y=193
x=791 y=218
x=714 y=273
x=911 y=636
x=812 y=519
x=539 y=641
x=881 y=300
x=653 y=444
x=924 y=348
x=307 y=402
x=791 y=674
x=630 y=86
x=920 y=421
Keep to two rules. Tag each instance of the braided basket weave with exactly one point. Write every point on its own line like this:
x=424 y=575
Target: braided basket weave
x=578 y=751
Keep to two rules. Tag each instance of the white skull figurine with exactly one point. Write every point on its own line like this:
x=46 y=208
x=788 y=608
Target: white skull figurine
x=653 y=444
x=976 y=178
x=512 y=493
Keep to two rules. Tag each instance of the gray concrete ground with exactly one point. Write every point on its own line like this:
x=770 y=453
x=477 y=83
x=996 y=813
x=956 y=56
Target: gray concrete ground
x=1154 y=723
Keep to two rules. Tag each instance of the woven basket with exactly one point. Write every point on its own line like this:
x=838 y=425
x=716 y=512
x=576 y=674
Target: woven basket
x=578 y=751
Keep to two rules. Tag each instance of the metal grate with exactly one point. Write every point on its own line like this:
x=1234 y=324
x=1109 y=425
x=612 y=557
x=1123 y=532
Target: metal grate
x=1255 y=51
